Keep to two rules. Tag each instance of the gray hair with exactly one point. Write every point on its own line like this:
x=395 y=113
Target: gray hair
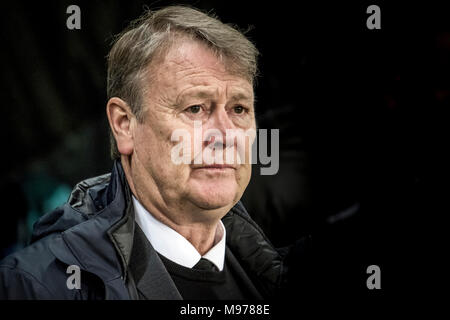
x=152 y=35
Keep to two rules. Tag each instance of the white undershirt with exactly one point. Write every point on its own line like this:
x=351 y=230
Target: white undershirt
x=173 y=245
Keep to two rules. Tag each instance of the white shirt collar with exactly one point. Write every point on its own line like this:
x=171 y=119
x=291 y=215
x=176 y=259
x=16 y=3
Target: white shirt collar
x=173 y=245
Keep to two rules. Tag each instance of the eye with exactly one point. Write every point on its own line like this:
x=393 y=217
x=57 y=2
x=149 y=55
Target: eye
x=239 y=109
x=194 y=109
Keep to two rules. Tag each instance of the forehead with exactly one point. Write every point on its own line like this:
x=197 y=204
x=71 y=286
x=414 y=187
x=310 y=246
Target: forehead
x=191 y=64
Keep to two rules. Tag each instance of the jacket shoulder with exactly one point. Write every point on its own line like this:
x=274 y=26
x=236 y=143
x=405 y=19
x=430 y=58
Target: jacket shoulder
x=34 y=273
x=18 y=284
x=23 y=274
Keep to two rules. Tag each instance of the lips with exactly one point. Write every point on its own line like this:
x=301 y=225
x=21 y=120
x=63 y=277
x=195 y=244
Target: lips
x=215 y=166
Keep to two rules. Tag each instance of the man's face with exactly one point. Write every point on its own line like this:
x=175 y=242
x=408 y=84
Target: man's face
x=191 y=85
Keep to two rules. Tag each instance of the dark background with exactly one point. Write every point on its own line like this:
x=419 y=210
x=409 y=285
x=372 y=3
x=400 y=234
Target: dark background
x=361 y=115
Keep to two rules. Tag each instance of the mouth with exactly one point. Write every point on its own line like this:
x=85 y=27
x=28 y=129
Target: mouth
x=215 y=167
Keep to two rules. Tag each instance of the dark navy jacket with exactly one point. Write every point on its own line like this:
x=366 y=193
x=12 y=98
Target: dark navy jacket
x=95 y=230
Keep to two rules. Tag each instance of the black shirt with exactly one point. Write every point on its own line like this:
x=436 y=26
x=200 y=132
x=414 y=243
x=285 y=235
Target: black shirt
x=194 y=284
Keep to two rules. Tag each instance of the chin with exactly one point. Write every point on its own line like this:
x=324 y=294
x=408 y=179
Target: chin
x=215 y=196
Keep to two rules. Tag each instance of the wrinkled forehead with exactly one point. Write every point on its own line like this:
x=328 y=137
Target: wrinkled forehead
x=193 y=64
x=184 y=55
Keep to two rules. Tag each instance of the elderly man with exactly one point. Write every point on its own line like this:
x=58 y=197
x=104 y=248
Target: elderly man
x=155 y=228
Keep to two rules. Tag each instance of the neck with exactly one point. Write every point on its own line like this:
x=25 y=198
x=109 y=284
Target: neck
x=202 y=236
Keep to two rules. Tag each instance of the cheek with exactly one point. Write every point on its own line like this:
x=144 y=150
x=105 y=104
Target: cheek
x=243 y=175
x=159 y=146
x=154 y=138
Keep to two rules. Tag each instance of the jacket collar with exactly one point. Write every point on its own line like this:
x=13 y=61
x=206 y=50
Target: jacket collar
x=149 y=273
x=254 y=251
x=105 y=254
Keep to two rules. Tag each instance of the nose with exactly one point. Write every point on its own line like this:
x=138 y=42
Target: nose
x=220 y=121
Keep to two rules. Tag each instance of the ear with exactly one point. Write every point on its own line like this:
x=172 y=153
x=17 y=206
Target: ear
x=120 y=117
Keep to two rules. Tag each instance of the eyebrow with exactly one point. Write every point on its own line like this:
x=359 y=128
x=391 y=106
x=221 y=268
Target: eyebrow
x=210 y=94
x=241 y=96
